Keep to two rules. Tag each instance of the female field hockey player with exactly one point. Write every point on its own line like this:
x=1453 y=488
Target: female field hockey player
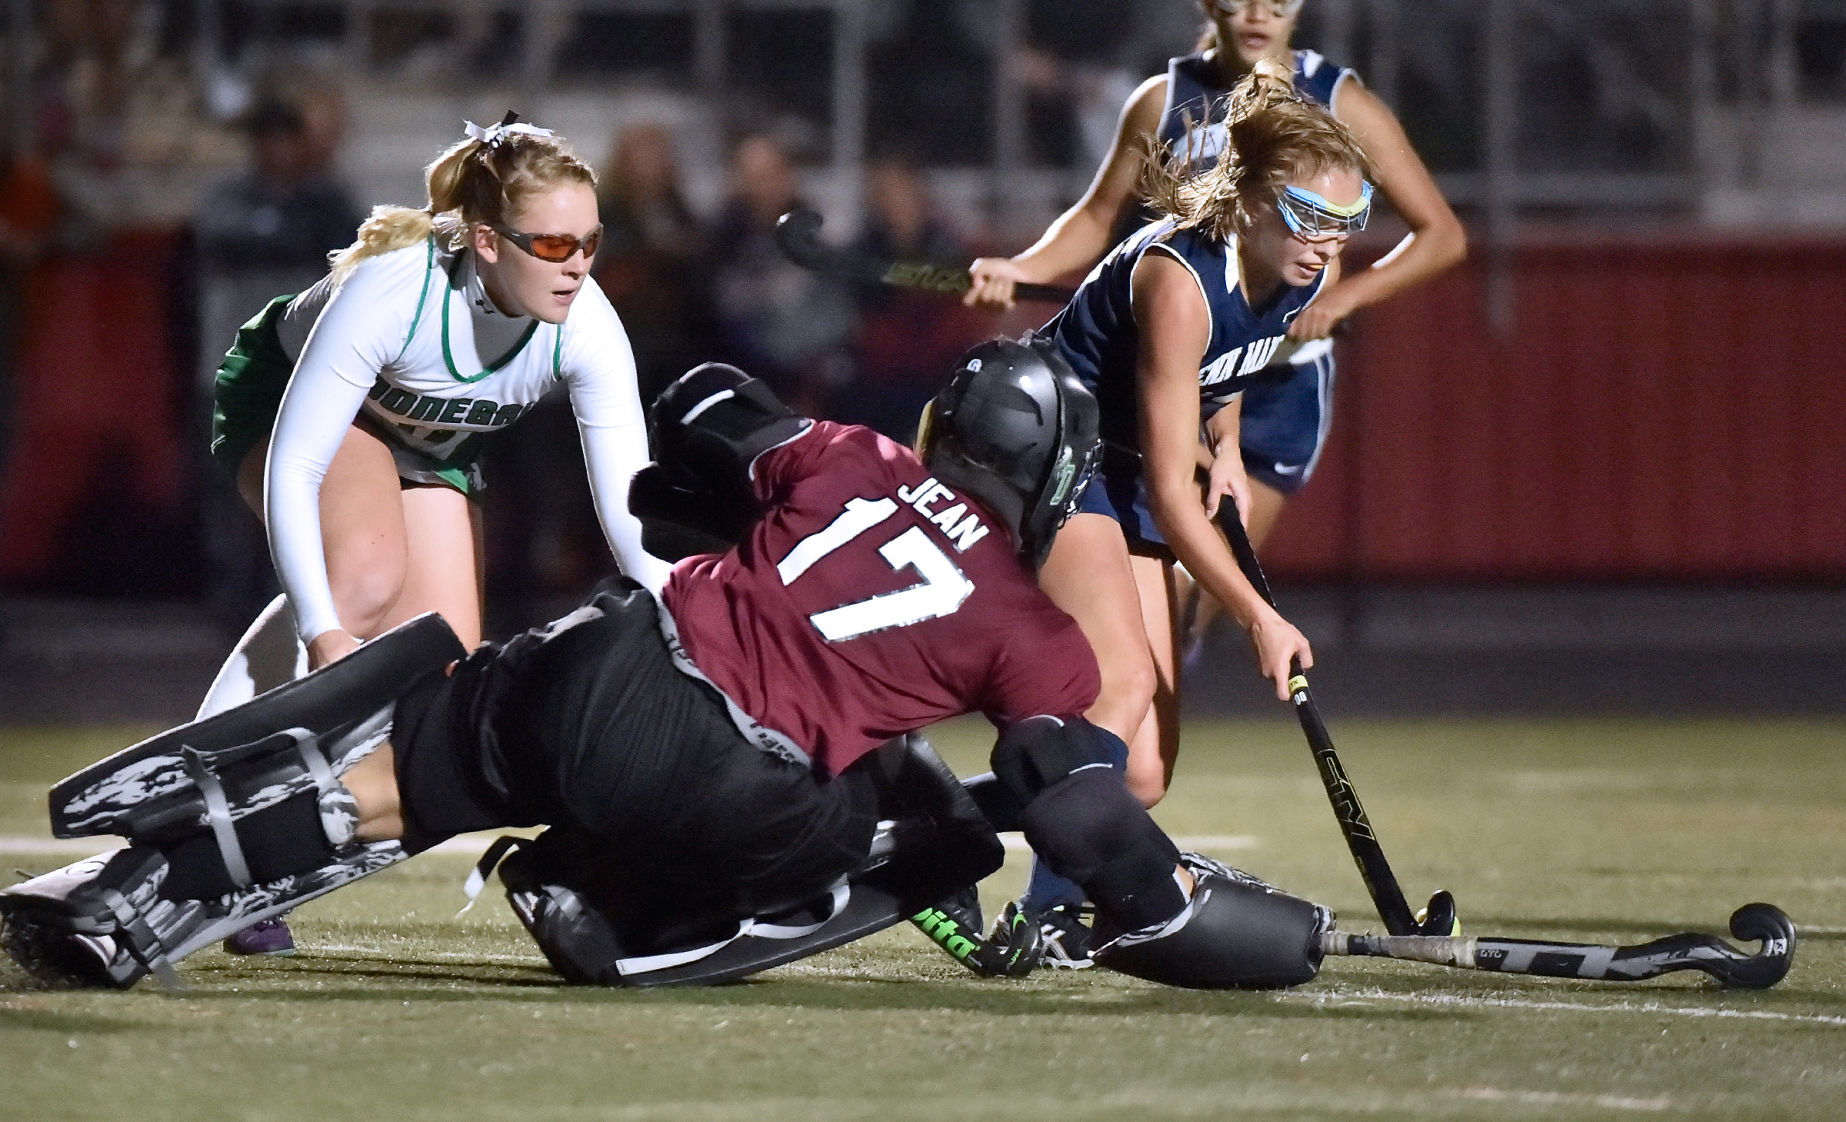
x=1167 y=331
x=1287 y=409
x=351 y=415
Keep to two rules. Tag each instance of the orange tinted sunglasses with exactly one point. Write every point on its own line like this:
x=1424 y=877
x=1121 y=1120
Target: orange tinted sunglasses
x=556 y=248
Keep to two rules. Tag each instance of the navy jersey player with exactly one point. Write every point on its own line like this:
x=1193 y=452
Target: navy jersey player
x=1168 y=330
x=714 y=750
x=1287 y=411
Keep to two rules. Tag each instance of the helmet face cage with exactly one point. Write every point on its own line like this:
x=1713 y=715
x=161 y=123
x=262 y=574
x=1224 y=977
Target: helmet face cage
x=1017 y=430
x=1312 y=217
x=1067 y=475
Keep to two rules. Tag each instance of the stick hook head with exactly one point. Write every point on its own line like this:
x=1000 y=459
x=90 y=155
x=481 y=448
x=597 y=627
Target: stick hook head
x=1770 y=964
x=798 y=235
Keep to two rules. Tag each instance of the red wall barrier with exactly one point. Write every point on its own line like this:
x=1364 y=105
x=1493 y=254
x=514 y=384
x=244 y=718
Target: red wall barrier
x=1654 y=410
x=94 y=401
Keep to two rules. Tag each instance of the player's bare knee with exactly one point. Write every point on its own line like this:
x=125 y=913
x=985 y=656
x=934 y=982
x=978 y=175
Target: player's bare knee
x=1147 y=781
x=365 y=594
x=1126 y=698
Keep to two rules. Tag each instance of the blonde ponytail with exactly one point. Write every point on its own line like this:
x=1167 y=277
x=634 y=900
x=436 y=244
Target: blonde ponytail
x=389 y=228
x=474 y=180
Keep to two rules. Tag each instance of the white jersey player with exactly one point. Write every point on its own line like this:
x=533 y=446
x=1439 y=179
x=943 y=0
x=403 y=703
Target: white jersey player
x=351 y=414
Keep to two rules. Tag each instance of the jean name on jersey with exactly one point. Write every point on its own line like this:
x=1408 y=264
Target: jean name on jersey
x=958 y=521
x=1239 y=362
x=469 y=411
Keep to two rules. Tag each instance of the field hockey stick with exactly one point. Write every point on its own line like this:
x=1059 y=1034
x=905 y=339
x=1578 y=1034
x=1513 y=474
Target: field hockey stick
x=1688 y=951
x=798 y=236
x=1439 y=916
x=1014 y=948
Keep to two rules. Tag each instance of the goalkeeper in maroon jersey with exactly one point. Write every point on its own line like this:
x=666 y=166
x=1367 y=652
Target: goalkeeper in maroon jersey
x=725 y=768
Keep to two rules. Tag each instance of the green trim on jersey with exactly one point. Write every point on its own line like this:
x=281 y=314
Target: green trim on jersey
x=247 y=395
x=416 y=317
x=448 y=358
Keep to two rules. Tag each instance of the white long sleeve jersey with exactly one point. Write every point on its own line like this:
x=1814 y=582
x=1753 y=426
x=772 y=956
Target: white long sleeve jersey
x=402 y=340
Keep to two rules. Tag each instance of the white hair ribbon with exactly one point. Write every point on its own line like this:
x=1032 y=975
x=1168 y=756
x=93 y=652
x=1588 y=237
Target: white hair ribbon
x=492 y=135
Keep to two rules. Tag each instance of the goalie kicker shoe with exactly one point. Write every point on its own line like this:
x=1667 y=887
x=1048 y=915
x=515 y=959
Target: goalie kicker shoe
x=270 y=937
x=98 y=922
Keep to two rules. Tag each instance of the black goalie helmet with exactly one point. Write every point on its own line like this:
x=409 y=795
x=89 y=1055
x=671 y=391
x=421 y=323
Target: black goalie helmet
x=1017 y=430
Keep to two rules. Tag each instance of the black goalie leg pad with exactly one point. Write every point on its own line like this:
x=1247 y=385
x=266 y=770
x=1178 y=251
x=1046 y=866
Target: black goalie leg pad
x=594 y=926
x=229 y=914
x=1089 y=828
x=1232 y=934
x=298 y=737
x=98 y=922
x=933 y=839
x=562 y=895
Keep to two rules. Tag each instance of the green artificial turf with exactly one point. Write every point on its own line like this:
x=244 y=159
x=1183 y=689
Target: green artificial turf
x=1611 y=831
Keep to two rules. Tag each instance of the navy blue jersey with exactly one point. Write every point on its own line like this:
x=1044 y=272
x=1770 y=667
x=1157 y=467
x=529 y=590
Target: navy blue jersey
x=1098 y=335
x=1196 y=100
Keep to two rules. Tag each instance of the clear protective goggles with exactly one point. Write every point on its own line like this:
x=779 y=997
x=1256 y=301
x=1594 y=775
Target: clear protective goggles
x=1280 y=9
x=1311 y=216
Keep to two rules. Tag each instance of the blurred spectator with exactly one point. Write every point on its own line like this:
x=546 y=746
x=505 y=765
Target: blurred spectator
x=906 y=342
x=782 y=323
x=543 y=539
x=930 y=77
x=271 y=226
x=262 y=233
x=1081 y=61
x=92 y=497
x=121 y=125
x=649 y=261
x=79 y=94
x=29 y=212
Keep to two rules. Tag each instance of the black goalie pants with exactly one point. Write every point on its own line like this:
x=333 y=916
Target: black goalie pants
x=587 y=725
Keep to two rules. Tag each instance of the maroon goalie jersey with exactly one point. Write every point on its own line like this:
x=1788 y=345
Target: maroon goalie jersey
x=871 y=601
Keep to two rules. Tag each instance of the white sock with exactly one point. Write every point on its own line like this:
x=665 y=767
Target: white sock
x=268 y=655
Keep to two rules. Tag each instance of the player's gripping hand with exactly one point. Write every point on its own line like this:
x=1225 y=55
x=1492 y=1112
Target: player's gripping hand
x=1317 y=320
x=1228 y=477
x=992 y=280
x=1278 y=644
x=330 y=646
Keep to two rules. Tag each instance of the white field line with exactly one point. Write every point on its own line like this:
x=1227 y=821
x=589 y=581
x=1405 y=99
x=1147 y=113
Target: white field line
x=1338 y=997
x=1334 y=998
x=1654 y=1105
x=474 y=844
x=382 y=953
